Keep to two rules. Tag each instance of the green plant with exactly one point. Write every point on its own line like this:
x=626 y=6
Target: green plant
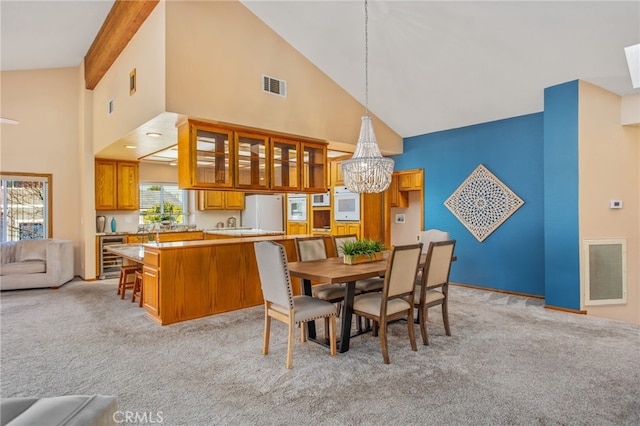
x=364 y=246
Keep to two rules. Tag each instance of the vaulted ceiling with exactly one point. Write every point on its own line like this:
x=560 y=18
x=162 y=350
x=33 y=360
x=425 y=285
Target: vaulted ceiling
x=432 y=65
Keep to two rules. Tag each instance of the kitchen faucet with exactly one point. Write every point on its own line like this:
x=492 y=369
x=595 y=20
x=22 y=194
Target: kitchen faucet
x=231 y=222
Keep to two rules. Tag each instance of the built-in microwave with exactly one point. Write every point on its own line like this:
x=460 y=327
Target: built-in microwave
x=321 y=200
x=346 y=206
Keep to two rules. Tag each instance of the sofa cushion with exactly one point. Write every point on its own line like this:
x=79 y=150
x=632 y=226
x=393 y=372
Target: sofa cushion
x=70 y=410
x=31 y=250
x=8 y=249
x=28 y=267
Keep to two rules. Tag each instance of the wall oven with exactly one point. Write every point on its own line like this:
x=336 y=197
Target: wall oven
x=297 y=207
x=346 y=206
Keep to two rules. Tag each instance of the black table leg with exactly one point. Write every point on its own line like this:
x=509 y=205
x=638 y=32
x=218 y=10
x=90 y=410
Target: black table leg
x=347 y=310
x=311 y=325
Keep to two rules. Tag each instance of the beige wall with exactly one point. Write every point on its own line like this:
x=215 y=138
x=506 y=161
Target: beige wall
x=609 y=168
x=146 y=53
x=45 y=102
x=217 y=53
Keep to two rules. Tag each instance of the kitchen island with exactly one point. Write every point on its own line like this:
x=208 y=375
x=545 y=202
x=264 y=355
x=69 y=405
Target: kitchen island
x=193 y=279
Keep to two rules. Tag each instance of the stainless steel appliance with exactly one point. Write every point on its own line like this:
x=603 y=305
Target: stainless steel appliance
x=297 y=207
x=263 y=212
x=346 y=206
x=110 y=263
x=321 y=200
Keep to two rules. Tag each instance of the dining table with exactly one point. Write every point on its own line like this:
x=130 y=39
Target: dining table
x=333 y=270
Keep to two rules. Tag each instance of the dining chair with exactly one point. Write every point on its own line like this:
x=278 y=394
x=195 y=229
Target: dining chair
x=431 y=236
x=315 y=248
x=432 y=287
x=394 y=302
x=281 y=304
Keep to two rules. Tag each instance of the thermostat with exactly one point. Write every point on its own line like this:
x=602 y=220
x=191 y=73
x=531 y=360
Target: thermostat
x=615 y=204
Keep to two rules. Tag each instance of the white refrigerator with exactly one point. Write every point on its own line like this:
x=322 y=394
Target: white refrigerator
x=263 y=212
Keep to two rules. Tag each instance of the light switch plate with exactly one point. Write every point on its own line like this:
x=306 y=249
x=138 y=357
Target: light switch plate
x=615 y=204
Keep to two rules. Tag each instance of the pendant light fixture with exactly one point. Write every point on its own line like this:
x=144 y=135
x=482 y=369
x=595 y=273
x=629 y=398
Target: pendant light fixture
x=367 y=170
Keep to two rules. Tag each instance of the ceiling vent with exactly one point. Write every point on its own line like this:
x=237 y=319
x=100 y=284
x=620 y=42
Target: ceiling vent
x=274 y=86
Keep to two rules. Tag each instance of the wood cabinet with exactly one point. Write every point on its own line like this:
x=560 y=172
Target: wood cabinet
x=410 y=180
x=396 y=197
x=151 y=283
x=116 y=185
x=220 y=156
x=297 y=228
x=336 y=173
x=220 y=200
x=347 y=228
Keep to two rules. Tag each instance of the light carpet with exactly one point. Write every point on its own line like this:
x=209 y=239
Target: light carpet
x=508 y=361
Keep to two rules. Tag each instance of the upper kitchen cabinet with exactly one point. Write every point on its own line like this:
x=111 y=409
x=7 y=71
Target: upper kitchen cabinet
x=116 y=185
x=285 y=173
x=220 y=200
x=205 y=156
x=231 y=157
x=410 y=180
x=252 y=161
x=314 y=167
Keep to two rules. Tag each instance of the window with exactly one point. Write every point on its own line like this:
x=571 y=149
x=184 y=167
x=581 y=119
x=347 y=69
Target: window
x=25 y=206
x=159 y=202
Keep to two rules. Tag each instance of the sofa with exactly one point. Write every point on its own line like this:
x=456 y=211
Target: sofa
x=35 y=263
x=70 y=410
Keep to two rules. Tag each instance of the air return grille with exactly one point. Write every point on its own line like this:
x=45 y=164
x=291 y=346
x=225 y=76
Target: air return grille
x=274 y=86
x=605 y=271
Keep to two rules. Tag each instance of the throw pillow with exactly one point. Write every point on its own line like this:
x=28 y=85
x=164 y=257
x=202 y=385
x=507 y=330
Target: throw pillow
x=32 y=250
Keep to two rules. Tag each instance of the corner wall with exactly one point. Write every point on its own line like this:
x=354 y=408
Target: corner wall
x=609 y=167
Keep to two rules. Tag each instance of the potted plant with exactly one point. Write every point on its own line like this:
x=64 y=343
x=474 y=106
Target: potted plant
x=362 y=251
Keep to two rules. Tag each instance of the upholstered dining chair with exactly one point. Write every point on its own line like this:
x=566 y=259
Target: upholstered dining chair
x=431 y=236
x=314 y=248
x=281 y=304
x=394 y=302
x=432 y=287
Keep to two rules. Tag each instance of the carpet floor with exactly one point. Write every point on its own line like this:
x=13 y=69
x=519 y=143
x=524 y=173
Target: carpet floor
x=509 y=361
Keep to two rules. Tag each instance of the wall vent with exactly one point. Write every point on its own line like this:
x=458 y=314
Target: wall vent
x=274 y=86
x=605 y=271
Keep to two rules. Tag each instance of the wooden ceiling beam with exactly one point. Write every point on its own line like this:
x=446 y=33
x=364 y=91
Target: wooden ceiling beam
x=122 y=23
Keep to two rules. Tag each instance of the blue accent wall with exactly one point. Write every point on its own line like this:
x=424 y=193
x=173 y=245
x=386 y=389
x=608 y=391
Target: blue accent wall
x=561 y=213
x=512 y=257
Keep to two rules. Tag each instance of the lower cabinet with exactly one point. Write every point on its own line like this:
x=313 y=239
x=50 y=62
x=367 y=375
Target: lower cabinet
x=347 y=228
x=297 y=228
x=151 y=290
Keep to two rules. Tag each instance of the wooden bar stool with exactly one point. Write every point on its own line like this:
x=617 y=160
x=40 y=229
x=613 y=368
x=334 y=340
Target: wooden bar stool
x=127 y=278
x=137 y=287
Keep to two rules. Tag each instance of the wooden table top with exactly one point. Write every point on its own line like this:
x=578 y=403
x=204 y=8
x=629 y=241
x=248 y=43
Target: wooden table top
x=334 y=270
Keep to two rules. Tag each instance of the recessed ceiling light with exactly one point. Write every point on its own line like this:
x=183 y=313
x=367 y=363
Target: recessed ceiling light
x=130 y=146
x=154 y=134
x=5 y=120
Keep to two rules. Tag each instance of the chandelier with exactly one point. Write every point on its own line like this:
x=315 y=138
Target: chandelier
x=367 y=171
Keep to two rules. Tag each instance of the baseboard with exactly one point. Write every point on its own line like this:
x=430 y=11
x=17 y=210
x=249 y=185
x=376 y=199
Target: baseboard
x=571 y=311
x=495 y=290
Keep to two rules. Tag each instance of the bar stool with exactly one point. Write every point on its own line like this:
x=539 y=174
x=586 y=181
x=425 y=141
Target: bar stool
x=137 y=287
x=126 y=272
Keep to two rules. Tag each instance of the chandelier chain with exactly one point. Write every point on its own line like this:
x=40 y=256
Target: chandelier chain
x=366 y=59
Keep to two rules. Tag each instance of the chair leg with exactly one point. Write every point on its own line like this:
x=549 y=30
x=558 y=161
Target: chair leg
x=383 y=342
x=423 y=326
x=445 y=317
x=290 y=340
x=332 y=335
x=412 y=336
x=267 y=330
x=326 y=327
x=303 y=332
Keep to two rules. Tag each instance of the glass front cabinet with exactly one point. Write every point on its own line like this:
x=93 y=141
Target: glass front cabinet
x=219 y=157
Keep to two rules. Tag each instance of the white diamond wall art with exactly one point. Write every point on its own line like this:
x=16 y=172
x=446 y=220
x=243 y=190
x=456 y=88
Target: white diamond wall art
x=482 y=203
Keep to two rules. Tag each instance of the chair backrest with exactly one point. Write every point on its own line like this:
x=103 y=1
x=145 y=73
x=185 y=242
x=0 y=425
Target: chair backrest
x=339 y=240
x=275 y=280
x=437 y=266
x=400 y=277
x=431 y=236
x=311 y=248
